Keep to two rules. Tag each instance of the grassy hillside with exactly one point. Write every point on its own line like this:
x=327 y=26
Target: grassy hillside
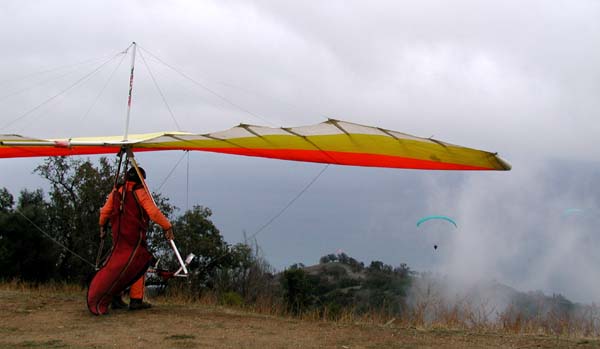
x=340 y=287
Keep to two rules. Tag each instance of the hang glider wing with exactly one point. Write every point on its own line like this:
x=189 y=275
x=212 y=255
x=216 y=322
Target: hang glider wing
x=332 y=142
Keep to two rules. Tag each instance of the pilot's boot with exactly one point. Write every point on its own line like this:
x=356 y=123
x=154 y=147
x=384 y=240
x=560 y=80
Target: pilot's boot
x=117 y=303
x=138 y=304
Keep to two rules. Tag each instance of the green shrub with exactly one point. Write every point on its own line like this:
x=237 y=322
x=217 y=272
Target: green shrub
x=231 y=298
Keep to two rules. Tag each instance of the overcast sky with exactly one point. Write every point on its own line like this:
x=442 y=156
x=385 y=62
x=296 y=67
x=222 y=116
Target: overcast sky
x=521 y=78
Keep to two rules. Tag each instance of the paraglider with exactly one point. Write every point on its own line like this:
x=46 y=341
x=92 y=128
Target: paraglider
x=443 y=218
x=573 y=211
x=428 y=218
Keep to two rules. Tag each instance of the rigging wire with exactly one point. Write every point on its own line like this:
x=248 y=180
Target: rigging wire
x=291 y=202
x=245 y=90
x=171 y=172
x=39 y=114
x=187 y=183
x=160 y=91
x=288 y=104
x=253 y=236
x=14 y=93
x=206 y=88
x=50 y=70
x=53 y=239
x=103 y=88
x=58 y=94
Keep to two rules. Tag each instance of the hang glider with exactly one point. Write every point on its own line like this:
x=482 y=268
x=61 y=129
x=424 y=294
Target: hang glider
x=331 y=142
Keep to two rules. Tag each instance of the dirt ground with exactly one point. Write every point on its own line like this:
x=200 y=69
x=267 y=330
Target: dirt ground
x=30 y=318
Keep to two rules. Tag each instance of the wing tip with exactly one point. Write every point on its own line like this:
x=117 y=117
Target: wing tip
x=504 y=165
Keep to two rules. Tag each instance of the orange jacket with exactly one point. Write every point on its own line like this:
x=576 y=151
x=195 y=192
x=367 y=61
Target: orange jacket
x=145 y=202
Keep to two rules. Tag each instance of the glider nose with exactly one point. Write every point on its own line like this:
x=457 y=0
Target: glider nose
x=502 y=165
x=505 y=165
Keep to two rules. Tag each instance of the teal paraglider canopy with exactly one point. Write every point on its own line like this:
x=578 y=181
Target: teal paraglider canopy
x=428 y=218
x=573 y=211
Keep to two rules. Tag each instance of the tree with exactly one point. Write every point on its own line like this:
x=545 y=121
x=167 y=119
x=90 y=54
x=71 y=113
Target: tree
x=328 y=258
x=6 y=201
x=24 y=252
x=298 y=290
x=157 y=244
x=247 y=273
x=196 y=233
x=78 y=191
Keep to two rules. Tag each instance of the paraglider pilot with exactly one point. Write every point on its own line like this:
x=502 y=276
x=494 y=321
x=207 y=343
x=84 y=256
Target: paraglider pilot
x=126 y=225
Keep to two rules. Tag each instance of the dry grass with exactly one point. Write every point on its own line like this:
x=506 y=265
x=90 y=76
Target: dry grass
x=429 y=314
x=45 y=288
x=54 y=315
